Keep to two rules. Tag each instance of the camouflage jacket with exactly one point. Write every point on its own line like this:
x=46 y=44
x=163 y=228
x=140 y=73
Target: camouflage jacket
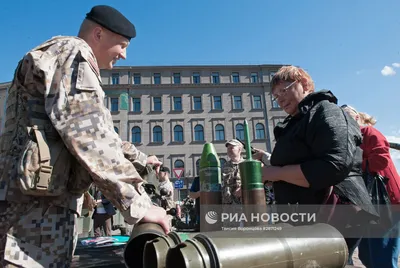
x=231 y=182
x=58 y=84
x=168 y=200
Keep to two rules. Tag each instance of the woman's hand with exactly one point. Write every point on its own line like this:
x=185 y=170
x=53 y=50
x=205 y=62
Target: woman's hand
x=291 y=174
x=271 y=173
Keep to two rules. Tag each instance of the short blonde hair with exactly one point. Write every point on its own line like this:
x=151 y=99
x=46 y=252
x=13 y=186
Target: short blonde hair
x=366 y=119
x=292 y=73
x=363 y=118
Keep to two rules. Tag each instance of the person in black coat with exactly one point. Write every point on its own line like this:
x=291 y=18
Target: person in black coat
x=317 y=158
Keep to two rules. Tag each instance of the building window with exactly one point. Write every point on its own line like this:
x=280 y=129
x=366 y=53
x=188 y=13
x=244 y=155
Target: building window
x=235 y=78
x=177 y=103
x=198 y=133
x=215 y=78
x=198 y=167
x=219 y=132
x=222 y=162
x=157 y=104
x=275 y=104
x=115 y=79
x=196 y=78
x=136 y=78
x=177 y=78
x=217 y=102
x=157 y=134
x=257 y=102
x=239 y=132
x=157 y=78
x=135 y=104
x=178 y=133
x=136 y=135
x=260 y=131
x=197 y=103
x=114 y=104
x=237 y=102
x=116 y=130
x=254 y=77
x=179 y=164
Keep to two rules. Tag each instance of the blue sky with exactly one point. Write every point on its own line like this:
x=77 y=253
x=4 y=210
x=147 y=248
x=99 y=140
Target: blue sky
x=345 y=45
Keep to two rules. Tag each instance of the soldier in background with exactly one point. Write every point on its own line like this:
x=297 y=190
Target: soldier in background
x=231 y=187
x=231 y=183
x=166 y=189
x=59 y=139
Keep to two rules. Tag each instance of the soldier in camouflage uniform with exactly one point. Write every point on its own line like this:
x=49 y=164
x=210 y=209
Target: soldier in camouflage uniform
x=59 y=139
x=231 y=183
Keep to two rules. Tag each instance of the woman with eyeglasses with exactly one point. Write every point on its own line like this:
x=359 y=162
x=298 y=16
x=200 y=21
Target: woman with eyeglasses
x=316 y=159
x=378 y=252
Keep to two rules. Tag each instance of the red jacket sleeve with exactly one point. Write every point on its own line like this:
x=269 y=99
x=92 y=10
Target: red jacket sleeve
x=376 y=149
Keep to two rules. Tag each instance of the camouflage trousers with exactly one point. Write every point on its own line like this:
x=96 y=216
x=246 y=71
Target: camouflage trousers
x=36 y=235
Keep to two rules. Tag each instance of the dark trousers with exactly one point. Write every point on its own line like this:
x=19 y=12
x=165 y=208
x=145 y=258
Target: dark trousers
x=102 y=221
x=379 y=252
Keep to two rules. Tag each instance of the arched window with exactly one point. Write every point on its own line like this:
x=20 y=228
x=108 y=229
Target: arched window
x=157 y=134
x=179 y=164
x=136 y=135
x=116 y=130
x=219 y=132
x=240 y=131
x=260 y=131
x=198 y=133
x=178 y=133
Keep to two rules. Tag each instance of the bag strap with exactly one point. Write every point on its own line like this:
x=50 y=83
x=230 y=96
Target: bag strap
x=46 y=169
x=44 y=158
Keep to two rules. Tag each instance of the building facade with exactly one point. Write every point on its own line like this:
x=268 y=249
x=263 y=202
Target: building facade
x=172 y=111
x=3 y=97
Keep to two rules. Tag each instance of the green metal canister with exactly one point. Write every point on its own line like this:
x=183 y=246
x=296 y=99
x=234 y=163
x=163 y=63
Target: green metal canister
x=253 y=193
x=210 y=189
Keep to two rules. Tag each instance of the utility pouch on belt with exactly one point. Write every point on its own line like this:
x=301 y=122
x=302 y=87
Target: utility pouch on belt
x=44 y=167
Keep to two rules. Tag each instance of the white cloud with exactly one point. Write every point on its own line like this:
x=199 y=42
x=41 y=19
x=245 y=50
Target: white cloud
x=395 y=154
x=387 y=71
x=396 y=65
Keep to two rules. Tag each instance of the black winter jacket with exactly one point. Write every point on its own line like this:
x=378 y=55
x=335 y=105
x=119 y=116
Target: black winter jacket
x=325 y=141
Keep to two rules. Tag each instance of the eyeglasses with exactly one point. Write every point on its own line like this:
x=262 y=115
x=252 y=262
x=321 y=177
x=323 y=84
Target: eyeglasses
x=282 y=92
x=349 y=107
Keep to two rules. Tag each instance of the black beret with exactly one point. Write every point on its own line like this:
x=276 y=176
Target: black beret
x=113 y=20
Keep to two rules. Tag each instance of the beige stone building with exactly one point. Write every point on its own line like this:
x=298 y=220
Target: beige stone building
x=3 y=96
x=172 y=111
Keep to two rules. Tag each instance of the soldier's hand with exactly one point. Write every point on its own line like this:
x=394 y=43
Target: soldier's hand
x=159 y=216
x=153 y=160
